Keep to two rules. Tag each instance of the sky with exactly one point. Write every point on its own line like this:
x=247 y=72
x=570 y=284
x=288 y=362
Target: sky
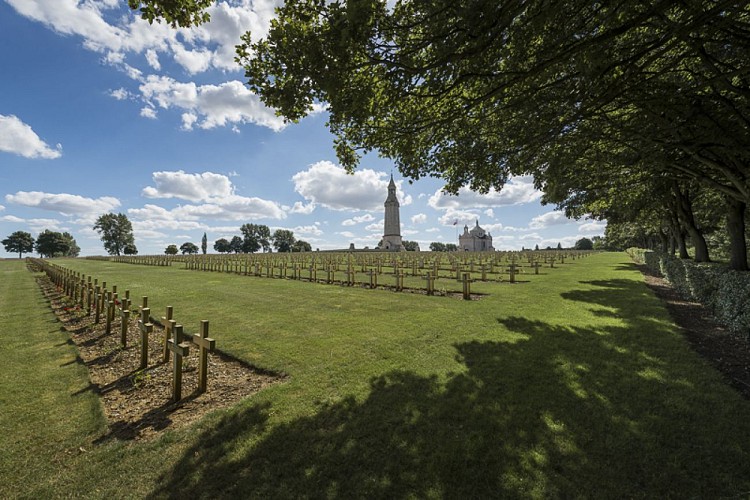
x=102 y=112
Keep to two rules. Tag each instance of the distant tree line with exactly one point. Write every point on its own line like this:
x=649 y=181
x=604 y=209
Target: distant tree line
x=254 y=237
x=47 y=244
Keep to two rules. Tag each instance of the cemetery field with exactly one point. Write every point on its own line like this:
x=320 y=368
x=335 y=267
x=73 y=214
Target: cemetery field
x=574 y=382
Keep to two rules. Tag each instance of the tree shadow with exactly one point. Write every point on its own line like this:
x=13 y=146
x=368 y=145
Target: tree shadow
x=559 y=412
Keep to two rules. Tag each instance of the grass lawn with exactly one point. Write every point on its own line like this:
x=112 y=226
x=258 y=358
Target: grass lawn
x=573 y=384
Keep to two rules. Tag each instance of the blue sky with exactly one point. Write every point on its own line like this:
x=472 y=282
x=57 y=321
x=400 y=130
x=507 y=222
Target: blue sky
x=102 y=112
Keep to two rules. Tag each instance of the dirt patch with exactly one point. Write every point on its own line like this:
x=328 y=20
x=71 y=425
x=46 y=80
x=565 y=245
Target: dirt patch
x=137 y=403
x=728 y=353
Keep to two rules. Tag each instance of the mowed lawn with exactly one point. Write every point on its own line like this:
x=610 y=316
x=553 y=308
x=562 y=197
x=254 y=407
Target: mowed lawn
x=575 y=383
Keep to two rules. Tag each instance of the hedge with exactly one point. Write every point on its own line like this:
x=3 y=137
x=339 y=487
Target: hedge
x=724 y=291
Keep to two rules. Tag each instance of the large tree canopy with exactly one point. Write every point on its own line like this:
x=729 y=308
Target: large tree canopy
x=19 y=242
x=116 y=233
x=479 y=90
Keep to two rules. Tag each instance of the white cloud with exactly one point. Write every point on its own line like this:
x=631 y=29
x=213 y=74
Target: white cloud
x=153 y=59
x=554 y=218
x=2 y=208
x=455 y=217
x=301 y=208
x=332 y=187
x=490 y=213
x=358 y=220
x=210 y=106
x=192 y=187
x=120 y=94
x=517 y=191
x=148 y=112
x=376 y=227
x=592 y=228
x=312 y=230
x=419 y=219
x=18 y=138
x=347 y=234
x=66 y=204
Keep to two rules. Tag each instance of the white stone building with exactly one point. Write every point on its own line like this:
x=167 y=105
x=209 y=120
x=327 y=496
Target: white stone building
x=476 y=240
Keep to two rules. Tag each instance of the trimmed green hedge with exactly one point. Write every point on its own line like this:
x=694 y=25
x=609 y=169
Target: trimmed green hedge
x=724 y=291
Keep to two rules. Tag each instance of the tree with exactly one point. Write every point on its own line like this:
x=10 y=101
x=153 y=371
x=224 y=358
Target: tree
x=451 y=247
x=19 y=242
x=475 y=92
x=301 y=246
x=559 y=246
x=130 y=249
x=52 y=244
x=222 y=245
x=171 y=250
x=410 y=246
x=116 y=232
x=236 y=244
x=256 y=236
x=73 y=249
x=584 y=244
x=437 y=246
x=283 y=240
x=188 y=248
x=204 y=244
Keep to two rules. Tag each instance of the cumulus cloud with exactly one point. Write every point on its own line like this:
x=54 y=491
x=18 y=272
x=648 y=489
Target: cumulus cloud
x=311 y=230
x=517 y=191
x=120 y=94
x=66 y=204
x=302 y=208
x=592 y=228
x=554 y=218
x=209 y=106
x=191 y=187
x=358 y=220
x=419 y=219
x=457 y=217
x=18 y=138
x=332 y=187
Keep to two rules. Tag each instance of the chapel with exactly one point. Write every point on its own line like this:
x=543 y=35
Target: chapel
x=476 y=240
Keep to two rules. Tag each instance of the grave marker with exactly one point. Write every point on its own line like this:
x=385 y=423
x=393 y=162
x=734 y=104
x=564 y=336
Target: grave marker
x=180 y=350
x=167 y=322
x=146 y=327
x=204 y=344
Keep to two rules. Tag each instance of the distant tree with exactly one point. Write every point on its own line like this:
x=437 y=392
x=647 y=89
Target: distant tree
x=222 y=245
x=236 y=244
x=204 y=244
x=73 y=249
x=599 y=243
x=188 y=248
x=410 y=246
x=436 y=246
x=301 y=246
x=536 y=247
x=171 y=250
x=19 y=242
x=283 y=240
x=451 y=247
x=116 y=232
x=559 y=246
x=584 y=244
x=51 y=244
x=130 y=249
x=256 y=236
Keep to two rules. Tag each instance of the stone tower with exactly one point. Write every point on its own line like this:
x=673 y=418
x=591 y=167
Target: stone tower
x=392 y=227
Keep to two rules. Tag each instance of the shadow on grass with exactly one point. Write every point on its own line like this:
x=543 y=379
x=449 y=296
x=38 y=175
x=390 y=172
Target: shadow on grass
x=562 y=412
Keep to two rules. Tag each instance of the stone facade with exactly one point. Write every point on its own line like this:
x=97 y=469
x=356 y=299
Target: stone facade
x=476 y=240
x=392 y=223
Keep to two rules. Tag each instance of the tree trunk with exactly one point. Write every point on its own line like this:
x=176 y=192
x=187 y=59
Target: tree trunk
x=678 y=236
x=664 y=237
x=685 y=214
x=736 y=231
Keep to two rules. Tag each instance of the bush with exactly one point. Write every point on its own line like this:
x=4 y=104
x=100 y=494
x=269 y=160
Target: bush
x=724 y=291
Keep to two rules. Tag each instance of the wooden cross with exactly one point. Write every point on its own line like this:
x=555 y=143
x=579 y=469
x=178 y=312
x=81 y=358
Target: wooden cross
x=467 y=286
x=167 y=322
x=373 y=278
x=204 y=344
x=430 y=283
x=535 y=265
x=512 y=272
x=180 y=350
x=399 y=281
x=146 y=327
x=124 y=320
x=111 y=297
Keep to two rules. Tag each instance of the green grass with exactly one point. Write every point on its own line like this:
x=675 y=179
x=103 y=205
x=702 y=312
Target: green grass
x=574 y=384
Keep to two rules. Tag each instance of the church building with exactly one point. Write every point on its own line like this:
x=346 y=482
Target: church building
x=392 y=227
x=476 y=240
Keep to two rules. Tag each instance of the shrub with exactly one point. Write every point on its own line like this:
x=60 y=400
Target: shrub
x=724 y=291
